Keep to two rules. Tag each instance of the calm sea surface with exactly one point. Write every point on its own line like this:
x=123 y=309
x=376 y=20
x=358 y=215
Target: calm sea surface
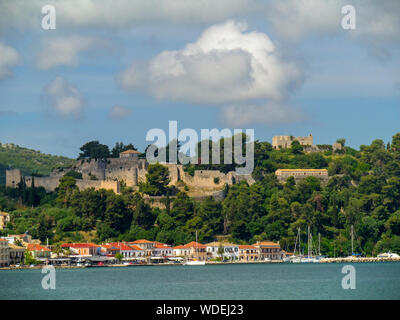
x=251 y=281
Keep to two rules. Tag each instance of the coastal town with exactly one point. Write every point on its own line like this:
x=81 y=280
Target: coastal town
x=21 y=250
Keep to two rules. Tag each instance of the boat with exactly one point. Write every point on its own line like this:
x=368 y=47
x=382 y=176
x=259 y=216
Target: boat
x=388 y=255
x=294 y=258
x=310 y=257
x=195 y=261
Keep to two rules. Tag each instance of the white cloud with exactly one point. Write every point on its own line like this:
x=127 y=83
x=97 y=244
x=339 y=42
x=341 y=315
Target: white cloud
x=375 y=20
x=8 y=57
x=21 y=14
x=292 y=18
x=64 y=99
x=64 y=50
x=118 y=112
x=225 y=64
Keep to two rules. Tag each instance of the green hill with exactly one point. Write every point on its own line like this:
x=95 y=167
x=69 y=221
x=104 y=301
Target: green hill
x=29 y=161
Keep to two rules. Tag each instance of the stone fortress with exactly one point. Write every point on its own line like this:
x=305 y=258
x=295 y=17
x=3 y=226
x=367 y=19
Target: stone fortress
x=284 y=142
x=129 y=168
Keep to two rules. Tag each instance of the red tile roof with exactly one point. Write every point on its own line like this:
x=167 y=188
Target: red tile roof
x=246 y=246
x=180 y=247
x=79 y=245
x=142 y=241
x=36 y=247
x=267 y=243
x=3 y=240
x=194 y=244
x=135 y=248
x=121 y=245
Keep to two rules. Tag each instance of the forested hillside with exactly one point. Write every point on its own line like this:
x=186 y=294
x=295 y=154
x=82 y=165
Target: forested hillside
x=30 y=161
x=363 y=191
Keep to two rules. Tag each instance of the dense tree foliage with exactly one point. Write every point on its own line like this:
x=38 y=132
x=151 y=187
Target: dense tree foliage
x=94 y=150
x=363 y=191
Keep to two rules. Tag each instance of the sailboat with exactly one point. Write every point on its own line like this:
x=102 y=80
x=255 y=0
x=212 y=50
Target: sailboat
x=353 y=255
x=310 y=258
x=195 y=261
x=294 y=258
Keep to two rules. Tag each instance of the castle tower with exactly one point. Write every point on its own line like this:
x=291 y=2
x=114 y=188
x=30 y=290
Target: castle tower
x=13 y=177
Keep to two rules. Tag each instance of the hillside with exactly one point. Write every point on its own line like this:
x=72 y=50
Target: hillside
x=29 y=161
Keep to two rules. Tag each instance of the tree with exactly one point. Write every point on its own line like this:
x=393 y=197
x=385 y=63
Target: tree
x=296 y=147
x=120 y=147
x=393 y=223
x=119 y=256
x=29 y=259
x=157 y=180
x=94 y=150
x=341 y=141
x=65 y=189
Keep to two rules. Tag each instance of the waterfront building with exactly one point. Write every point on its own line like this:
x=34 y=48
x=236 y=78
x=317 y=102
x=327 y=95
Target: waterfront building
x=82 y=249
x=223 y=250
x=162 y=250
x=17 y=254
x=4 y=219
x=127 y=251
x=4 y=253
x=180 y=251
x=109 y=249
x=23 y=238
x=269 y=250
x=146 y=245
x=248 y=253
x=191 y=250
x=38 y=252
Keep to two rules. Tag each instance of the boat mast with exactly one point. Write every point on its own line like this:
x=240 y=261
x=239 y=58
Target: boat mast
x=295 y=244
x=352 y=240
x=319 y=244
x=308 y=240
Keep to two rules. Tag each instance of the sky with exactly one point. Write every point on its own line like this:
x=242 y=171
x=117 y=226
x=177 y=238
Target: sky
x=113 y=70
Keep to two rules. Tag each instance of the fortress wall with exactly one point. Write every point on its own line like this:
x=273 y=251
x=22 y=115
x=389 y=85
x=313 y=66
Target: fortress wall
x=98 y=184
x=174 y=171
x=129 y=176
x=244 y=177
x=95 y=167
x=131 y=170
x=13 y=177
x=49 y=183
x=205 y=178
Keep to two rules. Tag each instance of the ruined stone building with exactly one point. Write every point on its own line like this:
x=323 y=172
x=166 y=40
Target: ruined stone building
x=284 y=142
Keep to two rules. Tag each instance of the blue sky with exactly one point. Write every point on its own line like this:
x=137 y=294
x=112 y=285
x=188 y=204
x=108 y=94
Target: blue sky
x=340 y=83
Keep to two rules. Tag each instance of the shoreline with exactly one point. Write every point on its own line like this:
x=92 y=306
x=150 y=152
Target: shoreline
x=323 y=261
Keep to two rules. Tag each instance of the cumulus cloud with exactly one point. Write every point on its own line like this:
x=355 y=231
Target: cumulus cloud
x=292 y=18
x=20 y=14
x=8 y=57
x=65 y=50
x=295 y=19
x=118 y=112
x=64 y=99
x=225 y=65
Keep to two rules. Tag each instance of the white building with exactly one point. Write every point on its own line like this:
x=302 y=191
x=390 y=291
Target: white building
x=229 y=250
x=4 y=253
